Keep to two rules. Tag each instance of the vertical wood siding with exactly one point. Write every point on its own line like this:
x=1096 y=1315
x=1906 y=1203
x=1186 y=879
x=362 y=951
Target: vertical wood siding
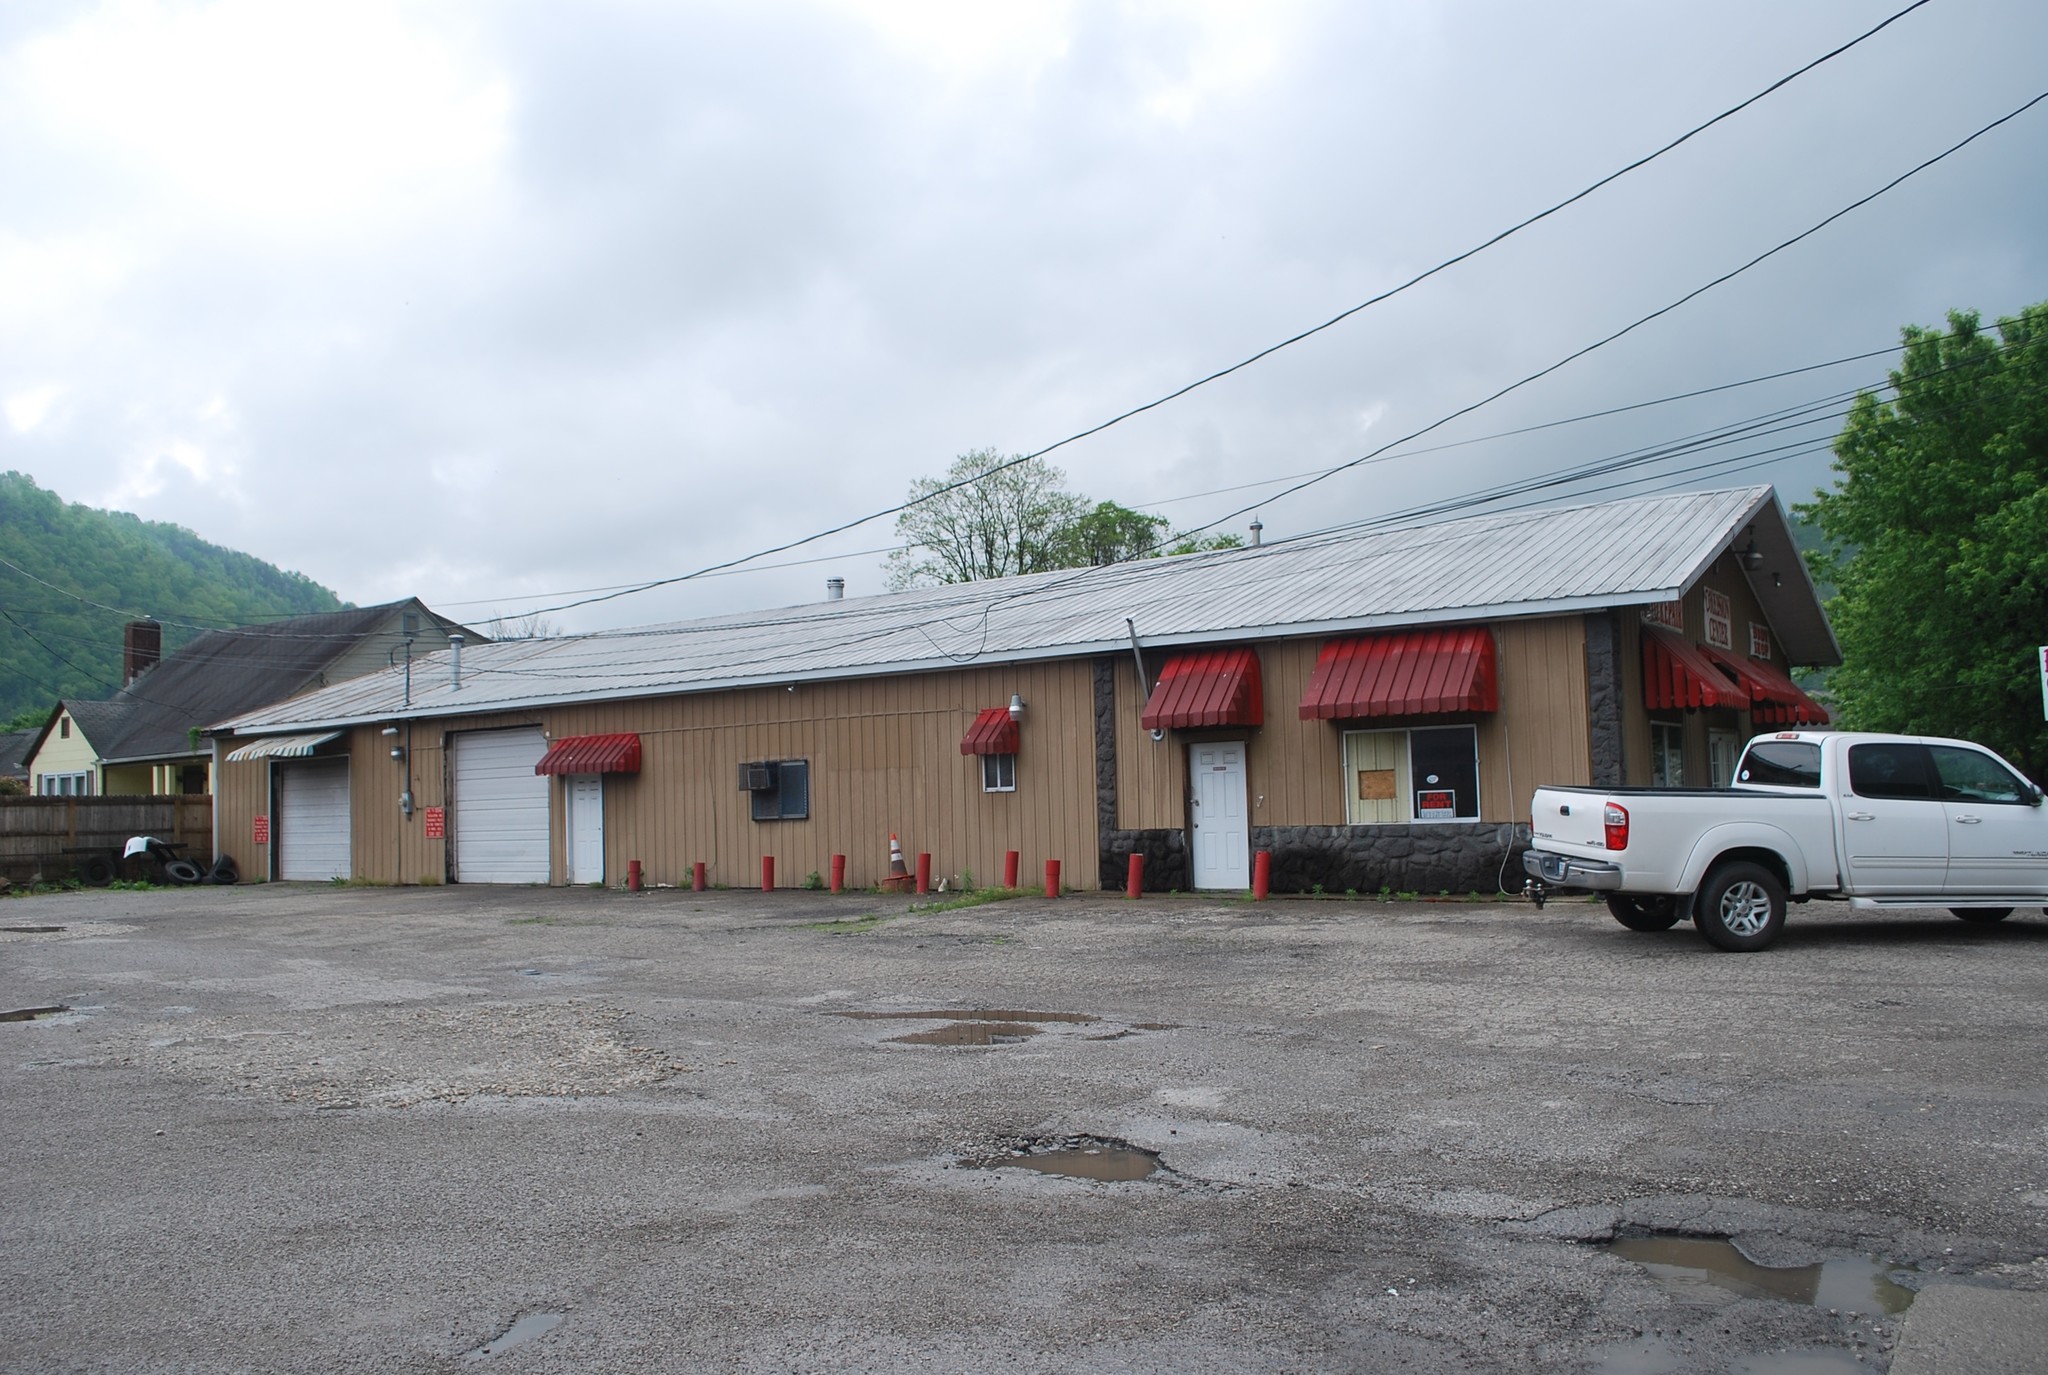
x=1726 y=576
x=1295 y=768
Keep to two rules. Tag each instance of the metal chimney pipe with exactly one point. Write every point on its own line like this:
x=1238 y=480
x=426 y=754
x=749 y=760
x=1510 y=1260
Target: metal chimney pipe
x=835 y=589
x=1257 y=530
x=455 y=660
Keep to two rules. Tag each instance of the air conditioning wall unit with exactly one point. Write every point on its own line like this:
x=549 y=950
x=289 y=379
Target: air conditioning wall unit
x=756 y=778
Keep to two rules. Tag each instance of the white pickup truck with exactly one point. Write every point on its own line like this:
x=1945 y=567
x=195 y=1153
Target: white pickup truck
x=1881 y=820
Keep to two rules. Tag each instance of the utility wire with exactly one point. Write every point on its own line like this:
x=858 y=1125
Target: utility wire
x=1267 y=352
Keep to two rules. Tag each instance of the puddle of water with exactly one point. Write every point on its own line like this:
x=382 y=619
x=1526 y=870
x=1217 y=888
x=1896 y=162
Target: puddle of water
x=30 y=1014
x=1106 y=1164
x=525 y=1330
x=970 y=1014
x=1706 y=1269
x=31 y=930
x=1650 y=1356
x=971 y=1034
x=1076 y=1157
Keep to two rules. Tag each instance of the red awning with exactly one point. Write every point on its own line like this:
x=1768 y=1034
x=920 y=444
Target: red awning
x=993 y=732
x=1678 y=675
x=1404 y=673
x=1210 y=687
x=592 y=754
x=1774 y=699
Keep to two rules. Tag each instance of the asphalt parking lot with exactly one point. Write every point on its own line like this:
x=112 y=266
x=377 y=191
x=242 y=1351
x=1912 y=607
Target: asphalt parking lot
x=337 y=1129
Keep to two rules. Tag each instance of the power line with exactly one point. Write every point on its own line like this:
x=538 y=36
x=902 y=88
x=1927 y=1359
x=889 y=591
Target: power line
x=1633 y=325
x=1267 y=352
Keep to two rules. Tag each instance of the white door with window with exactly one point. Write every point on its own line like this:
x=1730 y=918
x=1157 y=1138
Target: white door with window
x=1723 y=749
x=1997 y=836
x=586 y=828
x=1221 y=818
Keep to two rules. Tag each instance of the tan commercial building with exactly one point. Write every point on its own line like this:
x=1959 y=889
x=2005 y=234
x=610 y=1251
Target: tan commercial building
x=1371 y=706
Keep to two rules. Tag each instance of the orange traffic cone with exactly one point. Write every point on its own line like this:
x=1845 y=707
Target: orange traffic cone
x=899 y=872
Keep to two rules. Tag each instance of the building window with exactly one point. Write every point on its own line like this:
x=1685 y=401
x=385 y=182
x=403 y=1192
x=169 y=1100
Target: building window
x=999 y=773
x=1667 y=754
x=788 y=794
x=1396 y=776
x=65 y=784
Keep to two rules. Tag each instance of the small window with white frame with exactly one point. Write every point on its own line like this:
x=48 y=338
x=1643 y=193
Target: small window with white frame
x=1421 y=774
x=1667 y=754
x=65 y=785
x=999 y=773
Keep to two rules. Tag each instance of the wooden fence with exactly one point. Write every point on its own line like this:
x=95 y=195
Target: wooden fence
x=36 y=832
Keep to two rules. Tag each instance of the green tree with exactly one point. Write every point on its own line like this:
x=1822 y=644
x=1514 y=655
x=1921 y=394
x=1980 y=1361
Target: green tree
x=1109 y=533
x=985 y=521
x=1937 y=541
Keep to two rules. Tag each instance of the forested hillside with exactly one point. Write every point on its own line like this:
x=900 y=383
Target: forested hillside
x=55 y=642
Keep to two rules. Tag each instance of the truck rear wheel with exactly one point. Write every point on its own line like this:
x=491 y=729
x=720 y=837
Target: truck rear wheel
x=1983 y=916
x=1741 y=907
x=1656 y=913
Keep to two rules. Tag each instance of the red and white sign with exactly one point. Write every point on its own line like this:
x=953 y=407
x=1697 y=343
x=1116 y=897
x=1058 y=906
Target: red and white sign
x=1720 y=620
x=1436 y=804
x=260 y=831
x=437 y=823
x=1759 y=641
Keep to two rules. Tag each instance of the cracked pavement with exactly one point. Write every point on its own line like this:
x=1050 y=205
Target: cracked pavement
x=335 y=1129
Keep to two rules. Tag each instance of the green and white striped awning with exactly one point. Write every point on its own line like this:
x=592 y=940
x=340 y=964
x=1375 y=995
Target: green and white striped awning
x=280 y=747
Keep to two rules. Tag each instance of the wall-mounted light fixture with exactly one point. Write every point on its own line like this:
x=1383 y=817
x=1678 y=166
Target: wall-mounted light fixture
x=1016 y=707
x=390 y=733
x=1752 y=557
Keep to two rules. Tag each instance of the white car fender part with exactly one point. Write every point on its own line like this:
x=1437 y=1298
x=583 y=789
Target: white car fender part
x=1744 y=835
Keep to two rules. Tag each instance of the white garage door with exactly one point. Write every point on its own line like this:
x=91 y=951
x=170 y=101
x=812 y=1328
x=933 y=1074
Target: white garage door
x=312 y=819
x=500 y=807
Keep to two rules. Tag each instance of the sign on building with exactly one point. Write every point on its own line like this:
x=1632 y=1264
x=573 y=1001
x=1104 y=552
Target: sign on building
x=1720 y=620
x=259 y=830
x=437 y=824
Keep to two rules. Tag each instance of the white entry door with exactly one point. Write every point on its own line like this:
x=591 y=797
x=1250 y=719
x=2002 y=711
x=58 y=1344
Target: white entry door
x=1223 y=857
x=586 y=828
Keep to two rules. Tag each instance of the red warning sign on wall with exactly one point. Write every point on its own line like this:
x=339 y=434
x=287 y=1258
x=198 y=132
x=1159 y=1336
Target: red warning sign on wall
x=437 y=823
x=261 y=830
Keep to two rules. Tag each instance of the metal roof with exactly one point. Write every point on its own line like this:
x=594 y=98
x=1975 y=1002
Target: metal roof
x=1524 y=563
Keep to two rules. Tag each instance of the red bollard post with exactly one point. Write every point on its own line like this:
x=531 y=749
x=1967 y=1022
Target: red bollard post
x=1052 y=878
x=632 y=875
x=839 y=873
x=924 y=874
x=767 y=873
x=1262 y=875
x=700 y=876
x=1009 y=869
x=1135 y=884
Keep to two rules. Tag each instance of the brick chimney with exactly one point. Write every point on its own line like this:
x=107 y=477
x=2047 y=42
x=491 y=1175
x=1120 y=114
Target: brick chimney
x=142 y=644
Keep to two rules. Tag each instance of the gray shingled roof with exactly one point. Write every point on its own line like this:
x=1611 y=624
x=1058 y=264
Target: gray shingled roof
x=1525 y=563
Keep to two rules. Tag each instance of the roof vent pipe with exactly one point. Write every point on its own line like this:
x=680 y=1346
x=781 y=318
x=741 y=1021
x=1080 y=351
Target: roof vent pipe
x=835 y=589
x=455 y=661
x=1257 y=530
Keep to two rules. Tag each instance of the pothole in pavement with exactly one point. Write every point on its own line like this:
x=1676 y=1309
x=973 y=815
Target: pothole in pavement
x=32 y=1014
x=1710 y=1269
x=970 y=1014
x=525 y=1330
x=1001 y=1026
x=972 y=1034
x=1103 y=1159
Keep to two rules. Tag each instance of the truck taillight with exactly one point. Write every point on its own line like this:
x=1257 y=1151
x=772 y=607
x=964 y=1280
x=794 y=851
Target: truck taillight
x=1614 y=817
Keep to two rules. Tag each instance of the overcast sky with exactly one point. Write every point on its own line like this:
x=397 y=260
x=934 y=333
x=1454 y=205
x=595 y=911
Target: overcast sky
x=493 y=303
